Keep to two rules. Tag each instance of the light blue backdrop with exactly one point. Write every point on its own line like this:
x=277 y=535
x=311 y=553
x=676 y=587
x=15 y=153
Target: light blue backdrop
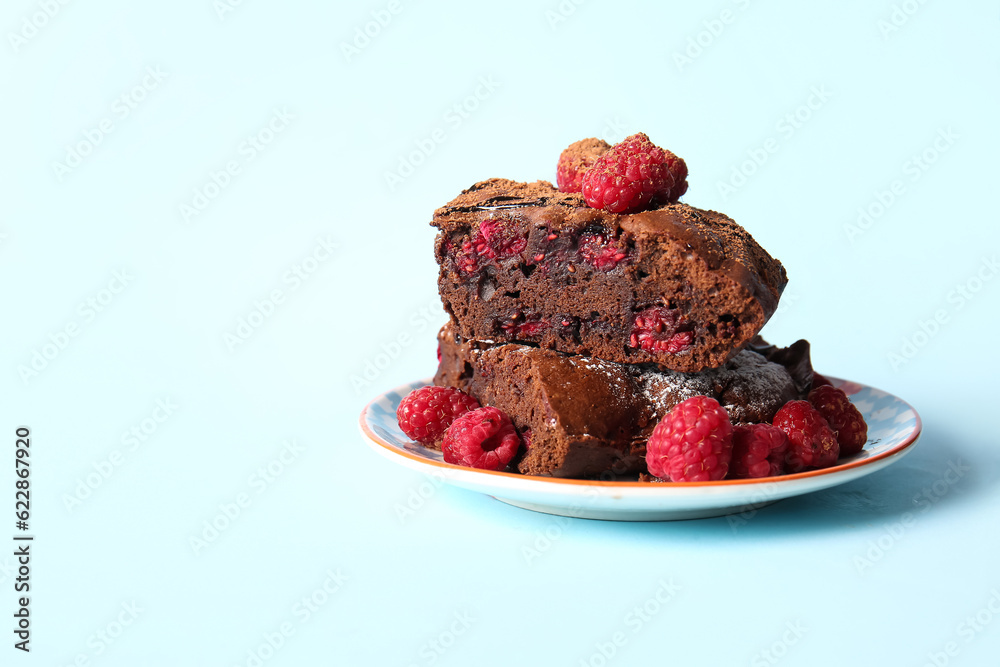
x=214 y=251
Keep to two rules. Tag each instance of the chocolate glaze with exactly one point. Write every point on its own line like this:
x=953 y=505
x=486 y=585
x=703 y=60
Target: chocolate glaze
x=795 y=358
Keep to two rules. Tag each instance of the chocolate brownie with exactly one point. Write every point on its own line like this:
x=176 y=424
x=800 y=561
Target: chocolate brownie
x=676 y=286
x=586 y=417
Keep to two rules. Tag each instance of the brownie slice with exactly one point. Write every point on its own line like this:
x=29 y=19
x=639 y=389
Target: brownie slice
x=586 y=417
x=676 y=286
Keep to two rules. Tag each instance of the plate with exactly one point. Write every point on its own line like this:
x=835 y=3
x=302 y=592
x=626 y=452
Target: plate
x=893 y=428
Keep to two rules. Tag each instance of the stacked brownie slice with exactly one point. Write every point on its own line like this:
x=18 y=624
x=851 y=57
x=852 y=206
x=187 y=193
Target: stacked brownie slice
x=675 y=286
x=587 y=325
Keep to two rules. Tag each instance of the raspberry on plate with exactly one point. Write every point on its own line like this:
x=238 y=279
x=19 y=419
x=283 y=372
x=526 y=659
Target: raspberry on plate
x=811 y=443
x=842 y=416
x=633 y=173
x=425 y=413
x=692 y=443
x=758 y=451
x=484 y=438
x=578 y=157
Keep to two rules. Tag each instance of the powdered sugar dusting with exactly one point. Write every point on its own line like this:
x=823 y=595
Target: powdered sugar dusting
x=749 y=387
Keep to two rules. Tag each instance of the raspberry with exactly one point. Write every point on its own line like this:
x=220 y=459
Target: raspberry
x=811 y=443
x=465 y=257
x=601 y=251
x=679 y=342
x=524 y=326
x=758 y=451
x=426 y=413
x=577 y=159
x=842 y=416
x=526 y=439
x=498 y=238
x=483 y=438
x=655 y=330
x=679 y=171
x=692 y=443
x=631 y=174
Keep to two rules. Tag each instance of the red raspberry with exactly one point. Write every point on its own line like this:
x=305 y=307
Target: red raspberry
x=483 y=438
x=692 y=443
x=631 y=174
x=842 y=416
x=655 y=330
x=679 y=170
x=465 y=257
x=811 y=443
x=679 y=342
x=426 y=413
x=576 y=160
x=498 y=237
x=601 y=251
x=520 y=325
x=758 y=451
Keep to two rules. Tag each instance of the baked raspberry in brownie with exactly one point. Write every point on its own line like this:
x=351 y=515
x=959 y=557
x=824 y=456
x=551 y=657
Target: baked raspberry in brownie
x=584 y=417
x=676 y=286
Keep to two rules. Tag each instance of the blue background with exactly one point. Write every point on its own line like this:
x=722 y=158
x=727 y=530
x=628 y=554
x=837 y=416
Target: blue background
x=794 y=119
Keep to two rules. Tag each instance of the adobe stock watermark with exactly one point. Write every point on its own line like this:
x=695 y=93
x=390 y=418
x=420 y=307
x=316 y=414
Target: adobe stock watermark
x=971 y=627
x=786 y=127
x=894 y=532
x=418 y=322
x=367 y=32
x=789 y=298
x=246 y=152
x=7 y=570
x=302 y=611
x=955 y=300
x=772 y=655
x=87 y=311
x=231 y=510
x=713 y=28
x=35 y=22
x=614 y=130
x=760 y=498
x=456 y=116
x=418 y=497
x=434 y=648
x=545 y=539
x=296 y=276
x=100 y=641
x=225 y=7
x=899 y=16
x=121 y=108
x=560 y=13
x=131 y=440
x=634 y=620
x=913 y=169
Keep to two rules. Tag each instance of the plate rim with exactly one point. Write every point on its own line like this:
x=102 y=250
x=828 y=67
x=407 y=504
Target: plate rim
x=649 y=488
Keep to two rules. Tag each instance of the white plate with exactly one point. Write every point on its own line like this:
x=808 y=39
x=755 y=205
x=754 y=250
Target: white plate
x=893 y=428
